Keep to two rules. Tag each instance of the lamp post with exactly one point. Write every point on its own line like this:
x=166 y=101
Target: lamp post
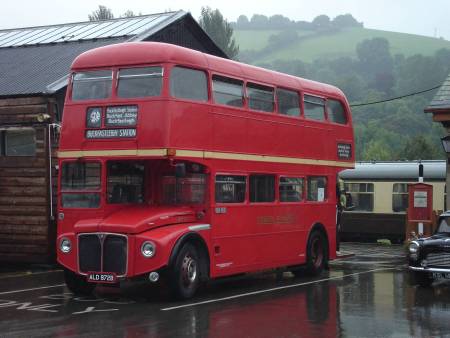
x=446 y=145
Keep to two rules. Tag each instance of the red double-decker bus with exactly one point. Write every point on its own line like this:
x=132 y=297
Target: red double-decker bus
x=179 y=164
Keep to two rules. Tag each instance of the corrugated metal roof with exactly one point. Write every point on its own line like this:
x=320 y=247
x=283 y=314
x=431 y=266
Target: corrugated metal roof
x=442 y=98
x=398 y=171
x=29 y=70
x=36 y=60
x=124 y=27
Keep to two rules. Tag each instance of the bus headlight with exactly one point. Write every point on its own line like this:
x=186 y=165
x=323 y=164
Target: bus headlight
x=148 y=249
x=413 y=250
x=65 y=245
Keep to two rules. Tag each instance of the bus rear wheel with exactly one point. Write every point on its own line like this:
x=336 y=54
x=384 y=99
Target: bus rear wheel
x=184 y=276
x=316 y=253
x=77 y=284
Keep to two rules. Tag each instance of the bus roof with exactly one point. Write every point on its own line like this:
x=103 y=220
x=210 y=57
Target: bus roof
x=139 y=53
x=390 y=171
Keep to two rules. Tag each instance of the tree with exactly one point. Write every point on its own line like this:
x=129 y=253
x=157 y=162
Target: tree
x=322 y=22
x=102 y=13
x=129 y=14
x=419 y=148
x=377 y=63
x=346 y=20
x=219 y=30
x=242 y=22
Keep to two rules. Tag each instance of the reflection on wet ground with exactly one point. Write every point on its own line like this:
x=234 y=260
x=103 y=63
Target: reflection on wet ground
x=366 y=295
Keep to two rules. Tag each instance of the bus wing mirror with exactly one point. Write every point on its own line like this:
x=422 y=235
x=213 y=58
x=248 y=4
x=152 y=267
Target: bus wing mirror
x=180 y=170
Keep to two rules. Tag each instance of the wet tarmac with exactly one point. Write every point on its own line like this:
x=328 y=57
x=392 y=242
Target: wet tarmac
x=365 y=295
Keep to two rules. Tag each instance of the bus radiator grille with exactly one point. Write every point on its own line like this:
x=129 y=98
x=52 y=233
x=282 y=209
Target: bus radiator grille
x=102 y=253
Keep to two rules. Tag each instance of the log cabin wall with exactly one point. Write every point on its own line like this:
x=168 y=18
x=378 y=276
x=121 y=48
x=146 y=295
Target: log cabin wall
x=27 y=228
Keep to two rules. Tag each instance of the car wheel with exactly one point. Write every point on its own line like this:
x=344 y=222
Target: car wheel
x=184 y=276
x=77 y=284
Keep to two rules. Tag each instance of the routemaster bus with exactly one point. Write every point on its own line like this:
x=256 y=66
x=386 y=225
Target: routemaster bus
x=177 y=166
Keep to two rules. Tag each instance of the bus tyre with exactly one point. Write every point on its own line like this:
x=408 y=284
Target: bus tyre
x=422 y=279
x=77 y=284
x=184 y=276
x=316 y=253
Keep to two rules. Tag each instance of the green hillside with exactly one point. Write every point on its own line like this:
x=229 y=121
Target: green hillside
x=312 y=45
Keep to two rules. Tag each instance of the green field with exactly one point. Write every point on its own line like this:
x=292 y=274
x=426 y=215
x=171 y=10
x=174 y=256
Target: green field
x=312 y=46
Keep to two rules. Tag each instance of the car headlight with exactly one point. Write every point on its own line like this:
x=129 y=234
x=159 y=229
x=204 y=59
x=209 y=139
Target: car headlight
x=413 y=250
x=148 y=249
x=65 y=245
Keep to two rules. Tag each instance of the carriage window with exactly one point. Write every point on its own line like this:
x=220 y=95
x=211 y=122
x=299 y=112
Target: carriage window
x=262 y=188
x=140 y=82
x=336 y=112
x=360 y=195
x=78 y=179
x=125 y=182
x=260 y=97
x=399 y=197
x=291 y=189
x=317 y=189
x=230 y=188
x=314 y=107
x=92 y=85
x=186 y=83
x=288 y=102
x=18 y=142
x=228 y=91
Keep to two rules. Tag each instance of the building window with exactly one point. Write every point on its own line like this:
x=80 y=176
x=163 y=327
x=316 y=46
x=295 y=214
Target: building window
x=228 y=91
x=230 y=188
x=262 y=188
x=317 y=189
x=291 y=189
x=314 y=107
x=18 y=142
x=140 y=82
x=92 y=85
x=361 y=196
x=399 y=197
x=186 y=83
x=288 y=102
x=260 y=97
x=336 y=112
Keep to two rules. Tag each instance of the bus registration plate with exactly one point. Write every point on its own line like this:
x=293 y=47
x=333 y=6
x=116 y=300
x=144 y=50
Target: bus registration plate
x=101 y=277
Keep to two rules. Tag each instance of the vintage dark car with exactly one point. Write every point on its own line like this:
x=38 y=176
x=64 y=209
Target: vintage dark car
x=429 y=258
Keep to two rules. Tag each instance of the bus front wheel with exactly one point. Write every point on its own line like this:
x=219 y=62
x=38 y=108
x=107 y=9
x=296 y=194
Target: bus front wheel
x=184 y=276
x=78 y=284
x=316 y=253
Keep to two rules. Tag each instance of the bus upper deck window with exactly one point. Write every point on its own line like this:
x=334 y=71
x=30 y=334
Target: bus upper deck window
x=288 y=102
x=140 y=82
x=186 y=83
x=260 y=97
x=336 y=112
x=228 y=91
x=314 y=107
x=92 y=85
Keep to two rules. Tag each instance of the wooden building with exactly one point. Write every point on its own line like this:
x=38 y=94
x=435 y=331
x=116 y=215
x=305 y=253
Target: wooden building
x=34 y=67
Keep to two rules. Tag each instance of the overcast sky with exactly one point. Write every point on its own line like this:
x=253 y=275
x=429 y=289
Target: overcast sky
x=423 y=17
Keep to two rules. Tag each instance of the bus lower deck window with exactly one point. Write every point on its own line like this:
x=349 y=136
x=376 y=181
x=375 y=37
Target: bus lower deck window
x=125 y=182
x=262 y=188
x=230 y=188
x=317 y=189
